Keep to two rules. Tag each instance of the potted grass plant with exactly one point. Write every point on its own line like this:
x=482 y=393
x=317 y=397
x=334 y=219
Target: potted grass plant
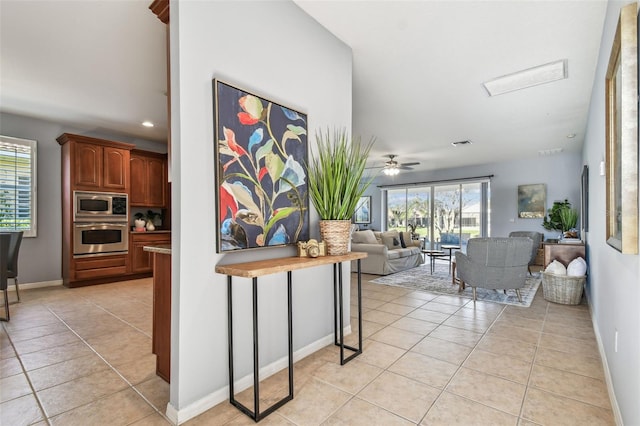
x=336 y=178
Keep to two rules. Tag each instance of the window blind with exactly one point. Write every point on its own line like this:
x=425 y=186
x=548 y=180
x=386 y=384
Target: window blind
x=17 y=185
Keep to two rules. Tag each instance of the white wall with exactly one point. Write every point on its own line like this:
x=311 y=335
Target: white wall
x=560 y=173
x=275 y=50
x=46 y=247
x=614 y=281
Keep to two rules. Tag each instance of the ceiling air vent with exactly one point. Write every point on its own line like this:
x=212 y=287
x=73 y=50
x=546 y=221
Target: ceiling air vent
x=546 y=152
x=460 y=143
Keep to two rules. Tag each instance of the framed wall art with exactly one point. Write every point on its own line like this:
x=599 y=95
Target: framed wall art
x=621 y=117
x=363 y=211
x=260 y=157
x=532 y=200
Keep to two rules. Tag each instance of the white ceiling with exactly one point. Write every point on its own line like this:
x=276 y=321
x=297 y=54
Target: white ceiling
x=418 y=68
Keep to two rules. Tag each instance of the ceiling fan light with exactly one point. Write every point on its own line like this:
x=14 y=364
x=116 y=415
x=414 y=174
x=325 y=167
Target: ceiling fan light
x=391 y=171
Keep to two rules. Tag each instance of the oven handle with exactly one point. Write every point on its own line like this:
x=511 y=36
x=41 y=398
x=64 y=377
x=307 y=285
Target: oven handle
x=93 y=225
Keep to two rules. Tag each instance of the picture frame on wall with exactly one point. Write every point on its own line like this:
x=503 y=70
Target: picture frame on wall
x=532 y=201
x=621 y=119
x=261 y=151
x=363 y=211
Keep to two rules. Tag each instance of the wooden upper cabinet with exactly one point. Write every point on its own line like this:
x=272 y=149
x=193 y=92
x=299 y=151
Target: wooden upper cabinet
x=95 y=164
x=115 y=169
x=88 y=165
x=148 y=179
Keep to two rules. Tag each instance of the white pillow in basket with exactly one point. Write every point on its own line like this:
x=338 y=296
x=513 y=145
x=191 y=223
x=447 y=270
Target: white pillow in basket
x=557 y=268
x=577 y=267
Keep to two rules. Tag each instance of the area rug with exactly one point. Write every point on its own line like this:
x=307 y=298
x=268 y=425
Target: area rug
x=420 y=278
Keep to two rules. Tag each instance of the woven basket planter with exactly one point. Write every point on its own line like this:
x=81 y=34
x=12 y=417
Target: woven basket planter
x=563 y=289
x=336 y=234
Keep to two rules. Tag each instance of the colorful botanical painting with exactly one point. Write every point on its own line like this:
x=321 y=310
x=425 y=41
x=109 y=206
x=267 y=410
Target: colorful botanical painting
x=261 y=153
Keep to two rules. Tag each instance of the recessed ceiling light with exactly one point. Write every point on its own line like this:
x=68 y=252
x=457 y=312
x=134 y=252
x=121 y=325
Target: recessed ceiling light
x=147 y=124
x=550 y=151
x=530 y=77
x=461 y=143
x=571 y=135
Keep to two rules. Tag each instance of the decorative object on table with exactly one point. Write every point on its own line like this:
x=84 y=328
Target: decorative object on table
x=336 y=183
x=532 y=200
x=621 y=114
x=311 y=248
x=363 y=211
x=261 y=191
x=561 y=217
x=562 y=284
x=569 y=220
x=151 y=217
x=139 y=222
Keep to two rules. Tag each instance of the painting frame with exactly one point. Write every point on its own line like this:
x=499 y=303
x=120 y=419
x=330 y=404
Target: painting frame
x=621 y=130
x=584 y=200
x=532 y=201
x=261 y=153
x=363 y=211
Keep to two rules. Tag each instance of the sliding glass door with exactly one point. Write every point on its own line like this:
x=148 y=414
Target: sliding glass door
x=442 y=214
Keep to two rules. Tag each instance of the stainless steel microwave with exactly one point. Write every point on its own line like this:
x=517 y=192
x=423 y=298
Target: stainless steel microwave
x=100 y=207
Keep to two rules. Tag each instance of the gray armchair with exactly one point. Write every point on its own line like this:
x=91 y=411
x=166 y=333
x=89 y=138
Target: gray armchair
x=537 y=239
x=494 y=263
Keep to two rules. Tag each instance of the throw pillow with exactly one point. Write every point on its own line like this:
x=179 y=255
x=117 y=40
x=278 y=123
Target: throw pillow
x=402 y=243
x=364 y=237
x=557 y=268
x=391 y=242
x=577 y=267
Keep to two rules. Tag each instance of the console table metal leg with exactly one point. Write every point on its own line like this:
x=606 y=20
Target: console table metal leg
x=256 y=415
x=340 y=320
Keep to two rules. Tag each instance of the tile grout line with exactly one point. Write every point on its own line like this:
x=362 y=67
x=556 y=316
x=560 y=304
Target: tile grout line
x=131 y=386
x=24 y=371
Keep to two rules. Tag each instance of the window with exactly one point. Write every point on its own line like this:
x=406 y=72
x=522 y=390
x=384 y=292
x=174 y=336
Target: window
x=442 y=212
x=18 y=185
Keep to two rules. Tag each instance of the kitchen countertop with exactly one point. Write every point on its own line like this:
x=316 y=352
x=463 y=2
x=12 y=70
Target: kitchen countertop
x=158 y=248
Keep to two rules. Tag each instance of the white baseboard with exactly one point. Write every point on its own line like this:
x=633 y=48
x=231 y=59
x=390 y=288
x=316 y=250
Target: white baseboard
x=617 y=415
x=27 y=286
x=203 y=404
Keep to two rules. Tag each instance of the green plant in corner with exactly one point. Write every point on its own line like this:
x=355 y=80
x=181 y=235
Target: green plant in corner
x=553 y=221
x=336 y=175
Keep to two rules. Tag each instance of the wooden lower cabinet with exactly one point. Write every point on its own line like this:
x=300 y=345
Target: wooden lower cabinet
x=99 y=267
x=140 y=260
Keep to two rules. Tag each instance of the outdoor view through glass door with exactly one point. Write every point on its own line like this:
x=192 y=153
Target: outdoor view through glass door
x=446 y=214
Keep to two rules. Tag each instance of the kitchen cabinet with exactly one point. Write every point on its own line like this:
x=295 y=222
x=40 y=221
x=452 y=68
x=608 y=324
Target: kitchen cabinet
x=141 y=261
x=99 y=267
x=96 y=164
x=148 y=179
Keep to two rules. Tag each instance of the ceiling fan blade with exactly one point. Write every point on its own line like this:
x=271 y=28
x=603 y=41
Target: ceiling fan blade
x=415 y=163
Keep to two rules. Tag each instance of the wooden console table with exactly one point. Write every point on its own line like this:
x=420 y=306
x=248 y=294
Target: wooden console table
x=260 y=268
x=563 y=252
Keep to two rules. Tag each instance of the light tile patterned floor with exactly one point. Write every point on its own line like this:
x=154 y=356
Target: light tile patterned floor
x=83 y=356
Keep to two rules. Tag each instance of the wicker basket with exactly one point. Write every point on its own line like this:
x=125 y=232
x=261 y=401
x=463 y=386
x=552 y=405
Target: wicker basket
x=336 y=234
x=563 y=289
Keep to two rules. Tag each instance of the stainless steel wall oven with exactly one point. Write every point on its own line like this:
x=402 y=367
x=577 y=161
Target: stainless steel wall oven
x=100 y=223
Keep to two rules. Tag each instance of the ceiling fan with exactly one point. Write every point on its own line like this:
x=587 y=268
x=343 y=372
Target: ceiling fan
x=392 y=167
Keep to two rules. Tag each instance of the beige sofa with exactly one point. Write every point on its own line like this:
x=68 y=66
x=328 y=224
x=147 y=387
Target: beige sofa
x=388 y=252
